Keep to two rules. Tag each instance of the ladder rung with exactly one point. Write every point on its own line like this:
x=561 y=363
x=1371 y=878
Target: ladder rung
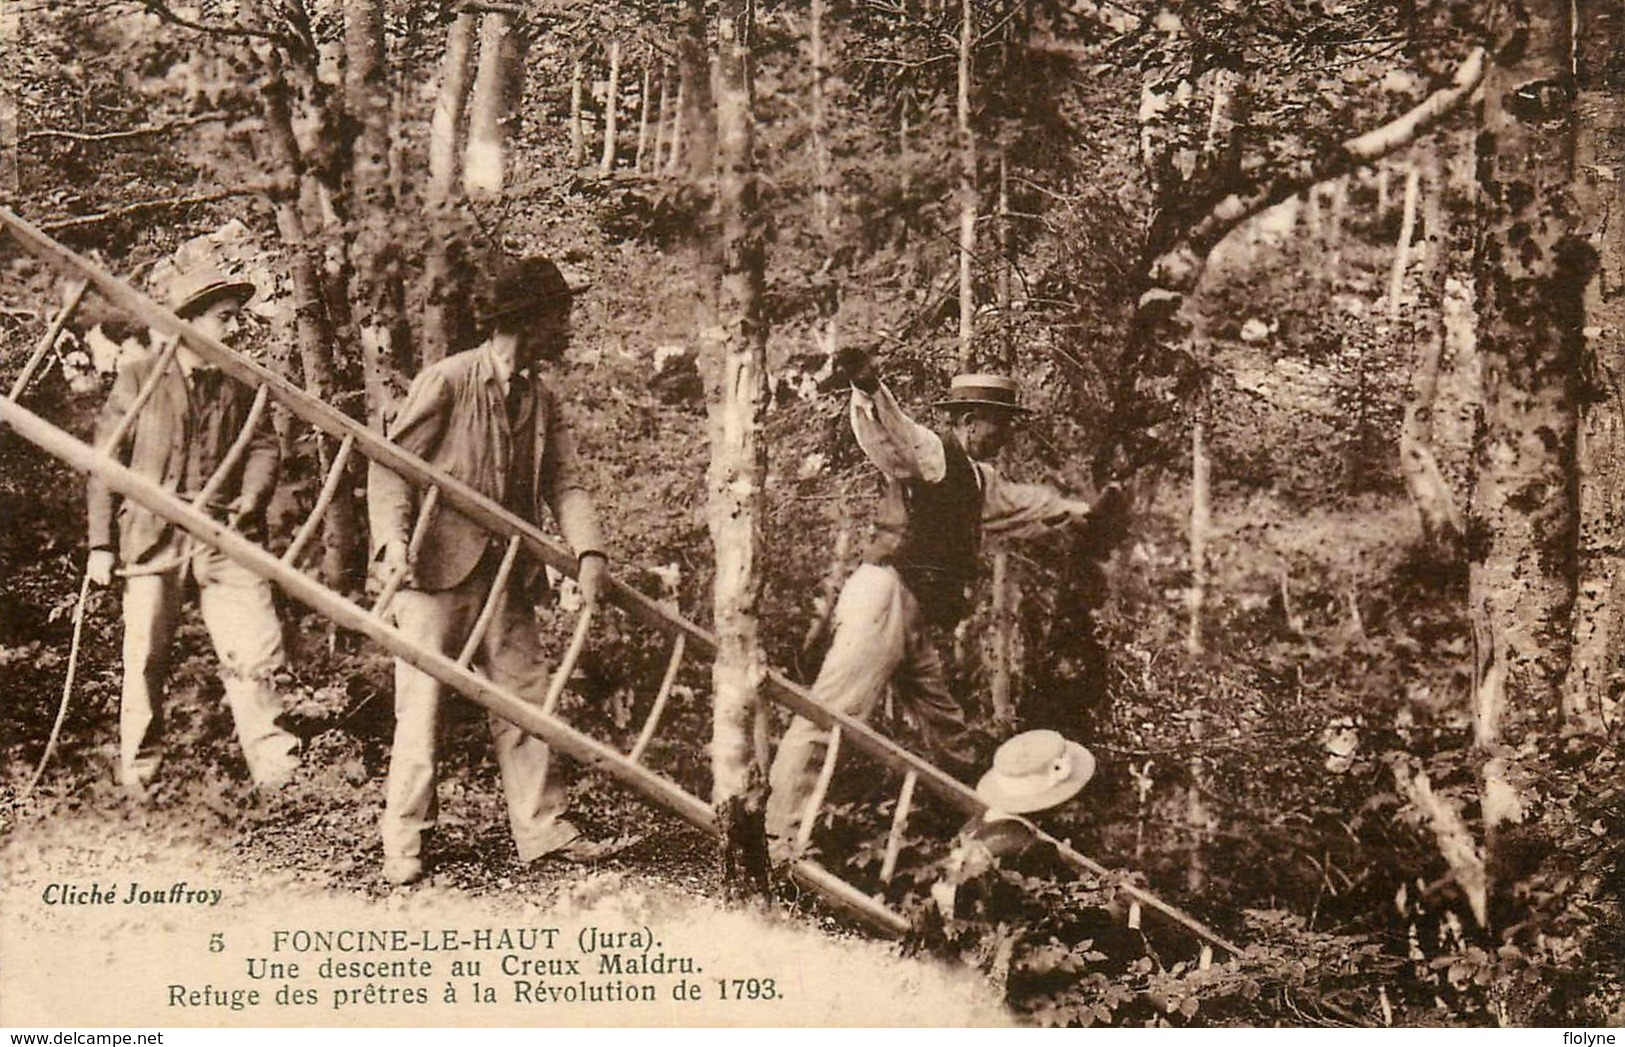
x=238 y=448
x=899 y=822
x=142 y=395
x=71 y=306
x=330 y=488
x=393 y=583
x=487 y=612
x=816 y=801
x=652 y=723
x=567 y=665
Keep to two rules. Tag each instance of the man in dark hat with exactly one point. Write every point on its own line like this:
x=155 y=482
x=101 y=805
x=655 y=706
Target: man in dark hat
x=179 y=439
x=486 y=418
x=942 y=494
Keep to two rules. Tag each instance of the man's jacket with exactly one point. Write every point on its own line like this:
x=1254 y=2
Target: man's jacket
x=455 y=418
x=177 y=440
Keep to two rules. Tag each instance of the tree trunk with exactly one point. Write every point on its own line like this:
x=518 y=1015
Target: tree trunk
x=578 y=134
x=1424 y=481
x=493 y=109
x=451 y=104
x=646 y=106
x=676 y=139
x=612 y=111
x=375 y=297
x=441 y=291
x=657 y=162
x=10 y=131
x=341 y=532
x=1597 y=667
x=697 y=116
x=827 y=283
x=737 y=348
x=1005 y=646
x=967 y=189
x=1531 y=265
x=1201 y=522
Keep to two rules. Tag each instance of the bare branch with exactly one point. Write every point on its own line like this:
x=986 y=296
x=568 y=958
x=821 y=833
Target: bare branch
x=142 y=206
x=1178 y=269
x=162 y=10
x=134 y=132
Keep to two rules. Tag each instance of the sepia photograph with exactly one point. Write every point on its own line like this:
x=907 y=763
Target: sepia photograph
x=947 y=514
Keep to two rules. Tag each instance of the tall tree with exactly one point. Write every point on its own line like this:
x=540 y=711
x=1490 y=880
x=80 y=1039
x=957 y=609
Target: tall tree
x=1531 y=266
x=493 y=107
x=1597 y=666
x=737 y=351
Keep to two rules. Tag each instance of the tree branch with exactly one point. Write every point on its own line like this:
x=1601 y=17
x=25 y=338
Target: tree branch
x=134 y=132
x=1177 y=269
x=160 y=9
x=129 y=210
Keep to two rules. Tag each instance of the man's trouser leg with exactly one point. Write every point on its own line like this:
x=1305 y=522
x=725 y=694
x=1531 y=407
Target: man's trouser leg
x=512 y=657
x=240 y=613
x=439 y=622
x=873 y=619
x=151 y=607
x=921 y=685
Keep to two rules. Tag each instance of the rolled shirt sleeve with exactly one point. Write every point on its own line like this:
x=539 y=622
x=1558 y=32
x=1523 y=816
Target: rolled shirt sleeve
x=1016 y=510
x=900 y=447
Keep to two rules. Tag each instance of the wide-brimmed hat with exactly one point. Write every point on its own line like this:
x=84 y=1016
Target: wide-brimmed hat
x=1034 y=771
x=983 y=390
x=193 y=290
x=528 y=286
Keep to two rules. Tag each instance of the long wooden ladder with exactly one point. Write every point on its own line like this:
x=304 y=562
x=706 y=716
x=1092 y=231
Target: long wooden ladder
x=442 y=489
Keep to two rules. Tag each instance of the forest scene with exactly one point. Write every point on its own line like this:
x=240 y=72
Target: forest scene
x=1320 y=306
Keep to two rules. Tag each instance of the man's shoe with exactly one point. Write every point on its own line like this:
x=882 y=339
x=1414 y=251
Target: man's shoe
x=558 y=837
x=402 y=871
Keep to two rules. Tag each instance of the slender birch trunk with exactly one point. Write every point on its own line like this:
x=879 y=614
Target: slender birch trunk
x=450 y=108
x=612 y=111
x=646 y=106
x=578 y=134
x=738 y=469
x=967 y=189
x=492 y=109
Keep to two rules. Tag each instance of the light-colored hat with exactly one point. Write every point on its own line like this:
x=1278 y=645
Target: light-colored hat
x=1034 y=771
x=192 y=291
x=983 y=390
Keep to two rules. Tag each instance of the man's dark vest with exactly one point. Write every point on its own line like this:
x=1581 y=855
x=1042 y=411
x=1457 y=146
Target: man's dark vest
x=932 y=535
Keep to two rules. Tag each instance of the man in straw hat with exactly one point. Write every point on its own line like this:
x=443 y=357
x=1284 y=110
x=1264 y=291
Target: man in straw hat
x=486 y=419
x=1032 y=772
x=942 y=494
x=178 y=440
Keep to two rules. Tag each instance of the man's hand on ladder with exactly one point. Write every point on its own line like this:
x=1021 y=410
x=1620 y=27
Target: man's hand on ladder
x=590 y=577
x=393 y=560
x=99 y=567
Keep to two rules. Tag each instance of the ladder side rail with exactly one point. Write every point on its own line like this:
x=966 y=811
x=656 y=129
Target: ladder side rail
x=58 y=322
x=324 y=499
x=1072 y=857
x=586 y=750
x=235 y=452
